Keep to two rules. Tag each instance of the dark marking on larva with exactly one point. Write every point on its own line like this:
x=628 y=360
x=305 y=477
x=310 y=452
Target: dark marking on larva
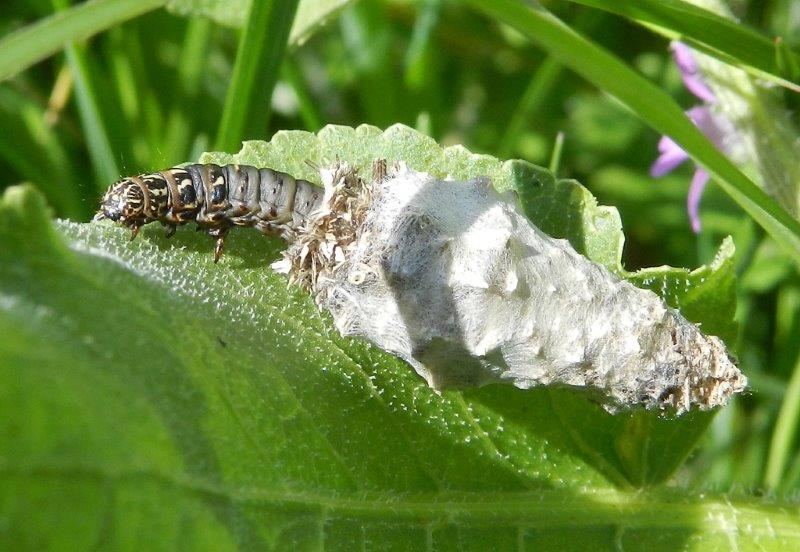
x=187 y=194
x=214 y=197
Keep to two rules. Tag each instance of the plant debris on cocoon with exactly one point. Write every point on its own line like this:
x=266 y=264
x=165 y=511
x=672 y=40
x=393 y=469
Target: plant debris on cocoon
x=453 y=278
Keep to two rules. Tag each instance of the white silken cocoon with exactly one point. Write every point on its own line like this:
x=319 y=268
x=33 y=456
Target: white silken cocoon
x=453 y=278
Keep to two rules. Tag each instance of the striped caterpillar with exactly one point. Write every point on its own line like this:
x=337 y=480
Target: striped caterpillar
x=216 y=198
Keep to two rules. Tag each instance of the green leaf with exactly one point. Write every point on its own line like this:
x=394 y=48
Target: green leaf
x=650 y=103
x=707 y=31
x=151 y=396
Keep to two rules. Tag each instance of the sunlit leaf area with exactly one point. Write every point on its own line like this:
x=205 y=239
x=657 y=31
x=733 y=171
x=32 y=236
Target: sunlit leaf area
x=152 y=399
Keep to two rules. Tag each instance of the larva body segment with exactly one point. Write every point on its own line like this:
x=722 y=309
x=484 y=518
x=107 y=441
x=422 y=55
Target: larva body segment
x=215 y=197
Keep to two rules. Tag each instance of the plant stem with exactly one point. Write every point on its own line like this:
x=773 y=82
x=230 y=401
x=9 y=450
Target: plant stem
x=258 y=61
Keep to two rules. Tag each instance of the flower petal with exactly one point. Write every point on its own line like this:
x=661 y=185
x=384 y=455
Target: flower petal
x=715 y=126
x=671 y=156
x=690 y=74
x=699 y=181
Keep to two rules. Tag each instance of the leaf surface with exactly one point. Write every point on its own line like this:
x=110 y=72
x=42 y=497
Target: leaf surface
x=152 y=397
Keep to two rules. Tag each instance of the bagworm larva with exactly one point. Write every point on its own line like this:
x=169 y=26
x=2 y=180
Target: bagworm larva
x=216 y=198
x=453 y=278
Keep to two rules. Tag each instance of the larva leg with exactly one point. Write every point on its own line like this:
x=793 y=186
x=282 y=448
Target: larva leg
x=218 y=248
x=267 y=227
x=218 y=233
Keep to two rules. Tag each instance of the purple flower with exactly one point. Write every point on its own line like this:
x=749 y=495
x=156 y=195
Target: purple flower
x=713 y=126
x=690 y=74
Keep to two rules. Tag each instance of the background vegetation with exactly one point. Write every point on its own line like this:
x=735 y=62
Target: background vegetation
x=155 y=87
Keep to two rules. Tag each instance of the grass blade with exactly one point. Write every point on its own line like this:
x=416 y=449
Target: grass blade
x=29 y=146
x=258 y=61
x=311 y=16
x=419 y=44
x=784 y=434
x=37 y=41
x=101 y=153
x=709 y=32
x=127 y=50
x=193 y=59
x=96 y=131
x=541 y=85
x=555 y=157
x=367 y=37
x=650 y=103
x=309 y=113
x=780 y=446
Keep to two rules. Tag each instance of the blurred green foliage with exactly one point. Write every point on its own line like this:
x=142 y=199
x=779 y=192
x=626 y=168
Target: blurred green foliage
x=149 y=93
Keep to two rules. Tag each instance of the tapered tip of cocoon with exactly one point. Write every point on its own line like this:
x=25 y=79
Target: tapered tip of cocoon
x=454 y=279
x=704 y=374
